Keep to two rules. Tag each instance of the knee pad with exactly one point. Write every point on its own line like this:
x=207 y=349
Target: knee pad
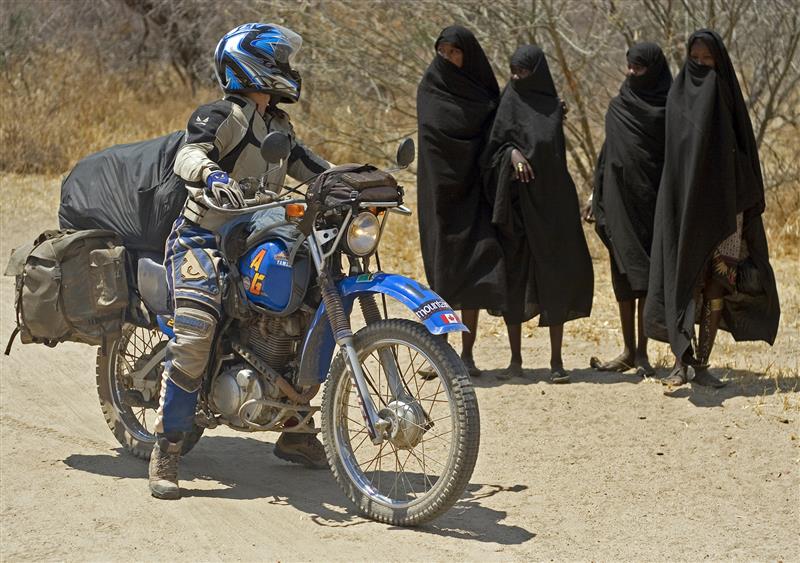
x=188 y=353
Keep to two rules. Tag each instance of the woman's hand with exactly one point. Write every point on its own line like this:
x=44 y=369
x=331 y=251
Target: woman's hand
x=522 y=170
x=587 y=213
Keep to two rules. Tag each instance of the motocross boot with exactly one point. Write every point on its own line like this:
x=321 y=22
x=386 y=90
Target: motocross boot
x=164 y=469
x=305 y=449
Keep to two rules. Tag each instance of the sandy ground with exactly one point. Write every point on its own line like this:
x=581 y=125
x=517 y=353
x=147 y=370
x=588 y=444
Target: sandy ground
x=607 y=468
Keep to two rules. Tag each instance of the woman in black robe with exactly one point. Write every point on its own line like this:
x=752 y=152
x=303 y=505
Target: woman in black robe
x=536 y=211
x=456 y=101
x=710 y=262
x=625 y=190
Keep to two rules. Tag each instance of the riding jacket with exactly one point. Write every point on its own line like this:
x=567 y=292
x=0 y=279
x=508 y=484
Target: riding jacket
x=226 y=135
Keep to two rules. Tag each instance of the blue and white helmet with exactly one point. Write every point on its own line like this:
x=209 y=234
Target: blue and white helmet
x=257 y=57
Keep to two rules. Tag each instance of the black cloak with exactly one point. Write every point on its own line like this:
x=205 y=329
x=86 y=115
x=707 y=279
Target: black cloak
x=629 y=168
x=711 y=174
x=463 y=260
x=549 y=269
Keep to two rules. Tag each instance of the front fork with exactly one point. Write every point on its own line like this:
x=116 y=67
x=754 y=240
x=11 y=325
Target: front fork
x=377 y=427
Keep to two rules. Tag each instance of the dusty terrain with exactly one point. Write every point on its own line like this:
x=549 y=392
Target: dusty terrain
x=607 y=468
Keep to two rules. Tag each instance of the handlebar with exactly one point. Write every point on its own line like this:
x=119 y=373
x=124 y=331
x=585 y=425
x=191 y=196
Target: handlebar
x=261 y=202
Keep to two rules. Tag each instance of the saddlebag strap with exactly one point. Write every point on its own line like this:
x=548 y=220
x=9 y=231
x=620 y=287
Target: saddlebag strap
x=11 y=338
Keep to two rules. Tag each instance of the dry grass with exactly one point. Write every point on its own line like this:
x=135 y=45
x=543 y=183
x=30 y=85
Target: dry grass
x=81 y=109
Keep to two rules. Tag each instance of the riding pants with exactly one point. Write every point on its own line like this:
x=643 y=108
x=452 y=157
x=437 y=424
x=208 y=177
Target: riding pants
x=193 y=274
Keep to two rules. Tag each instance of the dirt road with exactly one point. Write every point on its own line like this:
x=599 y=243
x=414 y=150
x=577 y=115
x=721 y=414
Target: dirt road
x=607 y=468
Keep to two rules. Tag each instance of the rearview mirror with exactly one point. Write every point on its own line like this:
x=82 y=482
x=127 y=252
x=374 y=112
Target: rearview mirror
x=405 y=152
x=275 y=147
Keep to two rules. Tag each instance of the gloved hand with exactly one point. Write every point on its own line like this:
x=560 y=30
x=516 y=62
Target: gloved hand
x=225 y=189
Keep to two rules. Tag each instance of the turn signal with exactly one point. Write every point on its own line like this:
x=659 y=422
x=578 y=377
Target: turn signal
x=295 y=211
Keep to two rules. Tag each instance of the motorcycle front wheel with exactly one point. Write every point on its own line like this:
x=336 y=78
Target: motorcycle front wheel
x=423 y=467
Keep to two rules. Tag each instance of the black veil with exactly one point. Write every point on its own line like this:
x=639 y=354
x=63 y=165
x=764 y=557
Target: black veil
x=711 y=173
x=629 y=167
x=549 y=269
x=455 y=106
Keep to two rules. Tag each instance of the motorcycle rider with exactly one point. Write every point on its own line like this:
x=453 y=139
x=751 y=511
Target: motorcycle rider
x=253 y=67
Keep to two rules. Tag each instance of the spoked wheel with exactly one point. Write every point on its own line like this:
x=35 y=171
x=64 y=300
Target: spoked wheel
x=422 y=468
x=129 y=384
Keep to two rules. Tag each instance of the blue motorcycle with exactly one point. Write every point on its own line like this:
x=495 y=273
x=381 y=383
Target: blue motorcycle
x=399 y=415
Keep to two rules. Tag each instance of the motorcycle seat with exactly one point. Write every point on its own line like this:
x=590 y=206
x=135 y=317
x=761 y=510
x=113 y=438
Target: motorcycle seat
x=152 y=281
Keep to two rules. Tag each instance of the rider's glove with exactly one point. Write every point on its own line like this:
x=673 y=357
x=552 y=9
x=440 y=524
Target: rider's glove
x=225 y=189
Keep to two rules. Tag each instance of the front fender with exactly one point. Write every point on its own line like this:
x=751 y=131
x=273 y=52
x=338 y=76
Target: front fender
x=433 y=311
x=430 y=309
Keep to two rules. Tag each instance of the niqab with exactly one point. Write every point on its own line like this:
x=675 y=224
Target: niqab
x=549 y=270
x=455 y=106
x=629 y=167
x=711 y=174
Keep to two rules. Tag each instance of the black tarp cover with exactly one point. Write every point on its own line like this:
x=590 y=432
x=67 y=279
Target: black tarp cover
x=128 y=189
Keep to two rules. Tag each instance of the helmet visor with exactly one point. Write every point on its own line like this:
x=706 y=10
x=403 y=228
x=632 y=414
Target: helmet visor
x=286 y=49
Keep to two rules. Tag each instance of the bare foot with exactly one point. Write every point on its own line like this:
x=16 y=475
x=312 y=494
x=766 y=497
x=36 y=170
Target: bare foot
x=621 y=363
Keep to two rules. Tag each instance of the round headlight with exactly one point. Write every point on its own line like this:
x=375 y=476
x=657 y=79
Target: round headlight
x=362 y=234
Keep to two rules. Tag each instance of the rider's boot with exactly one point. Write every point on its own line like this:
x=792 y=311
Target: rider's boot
x=305 y=449
x=164 y=468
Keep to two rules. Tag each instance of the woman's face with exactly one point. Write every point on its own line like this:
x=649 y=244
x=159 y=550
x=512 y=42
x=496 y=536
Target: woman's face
x=451 y=53
x=518 y=72
x=701 y=54
x=635 y=69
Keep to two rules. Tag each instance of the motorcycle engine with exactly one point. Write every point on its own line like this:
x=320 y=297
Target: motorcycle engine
x=233 y=388
x=274 y=340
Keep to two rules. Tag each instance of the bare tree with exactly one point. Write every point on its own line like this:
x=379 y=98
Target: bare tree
x=362 y=60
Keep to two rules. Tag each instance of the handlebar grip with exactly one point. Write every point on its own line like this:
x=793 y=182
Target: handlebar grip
x=261 y=198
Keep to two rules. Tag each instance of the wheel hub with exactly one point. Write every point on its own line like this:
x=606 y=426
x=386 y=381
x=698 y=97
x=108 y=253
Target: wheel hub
x=407 y=423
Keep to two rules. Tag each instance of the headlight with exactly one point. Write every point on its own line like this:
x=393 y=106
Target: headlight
x=362 y=234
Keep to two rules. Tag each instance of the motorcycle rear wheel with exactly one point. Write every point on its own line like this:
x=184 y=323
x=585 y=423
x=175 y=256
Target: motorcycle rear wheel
x=133 y=426
x=416 y=476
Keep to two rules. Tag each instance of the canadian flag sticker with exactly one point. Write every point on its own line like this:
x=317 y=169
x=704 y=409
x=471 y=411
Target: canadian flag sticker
x=450 y=318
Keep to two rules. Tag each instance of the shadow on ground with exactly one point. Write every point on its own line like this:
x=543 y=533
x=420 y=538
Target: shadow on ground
x=245 y=469
x=741 y=383
x=488 y=378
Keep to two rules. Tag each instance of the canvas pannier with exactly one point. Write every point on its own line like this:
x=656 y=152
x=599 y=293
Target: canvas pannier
x=71 y=286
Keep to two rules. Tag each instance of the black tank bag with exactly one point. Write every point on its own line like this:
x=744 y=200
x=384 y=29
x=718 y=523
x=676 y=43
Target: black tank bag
x=355 y=183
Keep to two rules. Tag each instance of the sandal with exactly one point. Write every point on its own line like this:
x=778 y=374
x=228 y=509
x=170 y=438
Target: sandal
x=514 y=369
x=617 y=364
x=676 y=378
x=559 y=375
x=644 y=369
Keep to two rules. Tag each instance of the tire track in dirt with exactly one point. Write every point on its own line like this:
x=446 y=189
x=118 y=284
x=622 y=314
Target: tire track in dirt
x=46 y=432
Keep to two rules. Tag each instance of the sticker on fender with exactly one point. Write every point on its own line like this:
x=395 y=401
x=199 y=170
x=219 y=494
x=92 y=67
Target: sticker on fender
x=428 y=309
x=450 y=318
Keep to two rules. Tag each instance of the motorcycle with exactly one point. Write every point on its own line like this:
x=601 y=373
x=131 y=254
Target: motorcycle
x=399 y=416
